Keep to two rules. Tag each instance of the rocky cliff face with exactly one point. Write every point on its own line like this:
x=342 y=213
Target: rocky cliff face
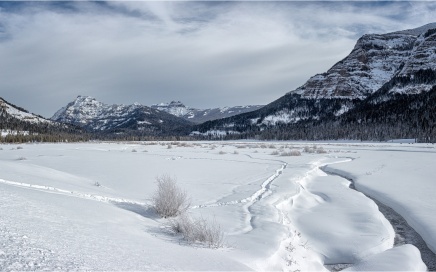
x=375 y=59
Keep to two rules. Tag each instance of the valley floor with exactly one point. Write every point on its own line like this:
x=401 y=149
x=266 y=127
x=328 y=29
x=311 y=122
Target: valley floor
x=87 y=206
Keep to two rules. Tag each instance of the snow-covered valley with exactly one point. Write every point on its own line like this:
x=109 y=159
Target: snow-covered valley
x=88 y=206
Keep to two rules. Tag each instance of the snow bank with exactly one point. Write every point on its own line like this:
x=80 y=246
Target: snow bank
x=343 y=225
x=402 y=258
x=401 y=177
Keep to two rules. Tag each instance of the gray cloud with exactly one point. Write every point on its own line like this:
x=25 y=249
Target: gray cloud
x=204 y=54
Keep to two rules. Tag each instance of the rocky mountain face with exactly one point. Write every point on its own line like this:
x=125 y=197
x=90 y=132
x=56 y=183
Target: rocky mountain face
x=382 y=69
x=93 y=115
x=375 y=59
x=178 y=109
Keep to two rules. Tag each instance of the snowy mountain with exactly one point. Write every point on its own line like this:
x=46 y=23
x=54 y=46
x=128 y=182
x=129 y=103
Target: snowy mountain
x=391 y=68
x=178 y=109
x=18 y=125
x=93 y=115
x=375 y=59
x=20 y=114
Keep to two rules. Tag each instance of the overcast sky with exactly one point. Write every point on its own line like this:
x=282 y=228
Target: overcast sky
x=205 y=54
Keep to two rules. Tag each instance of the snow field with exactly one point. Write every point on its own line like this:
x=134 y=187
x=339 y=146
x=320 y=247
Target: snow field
x=277 y=212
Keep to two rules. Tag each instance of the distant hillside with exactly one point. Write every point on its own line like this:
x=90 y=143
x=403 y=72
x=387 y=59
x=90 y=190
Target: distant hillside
x=17 y=124
x=178 y=109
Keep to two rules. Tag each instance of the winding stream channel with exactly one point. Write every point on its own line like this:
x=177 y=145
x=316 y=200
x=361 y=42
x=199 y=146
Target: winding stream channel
x=404 y=234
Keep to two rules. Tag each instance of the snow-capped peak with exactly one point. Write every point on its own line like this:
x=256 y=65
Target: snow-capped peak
x=375 y=59
x=87 y=112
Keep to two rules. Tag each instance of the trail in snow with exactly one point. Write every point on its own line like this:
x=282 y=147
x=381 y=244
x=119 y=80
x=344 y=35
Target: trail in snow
x=53 y=190
x=256 y=196
x=404 y=234
x=263 y=191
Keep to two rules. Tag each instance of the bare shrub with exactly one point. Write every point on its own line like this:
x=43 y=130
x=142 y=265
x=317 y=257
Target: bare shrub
x=222 y=152
x=241 y=146
x=185 y=144
x=19 y=147
x=272 y=146
x=321 y=150
x=292 y=152
x=235 y=152
x=169 y=200
x=200 y=230
x=22 y=159
x=275 y=152
x=134 y=150
x=308 y=149
x=169 y=146
x=295 y=152
x=263 y=146
x=149 y=143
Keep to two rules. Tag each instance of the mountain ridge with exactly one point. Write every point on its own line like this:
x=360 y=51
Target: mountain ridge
x=95 y=116
x=388 y=67
x=195 y=115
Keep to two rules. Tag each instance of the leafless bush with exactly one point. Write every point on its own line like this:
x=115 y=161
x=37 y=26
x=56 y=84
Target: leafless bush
x=169 y=200
x=198 y=230
x=22 y=158
x=134 y=150
x=293 y=152
x=185 y=144
x=272 y=146
x=263 y=146
x=275 y=152
x=308 y=149
x=235 y=152
x=321 y=150
x=222 y=152
x=241 y=146
x=19 y=147
x=149 y=143
x=169 y=146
